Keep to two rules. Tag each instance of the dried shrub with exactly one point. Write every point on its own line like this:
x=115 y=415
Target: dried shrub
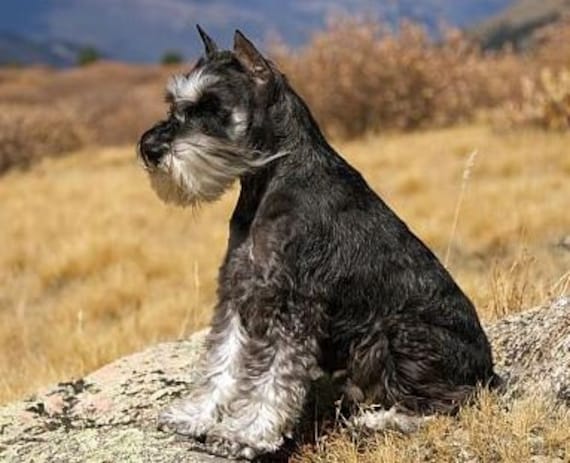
x=544 y=97
x=121 y=102
x=46 y=112
x=359 y=76
x=114 y=101
x=28 y=133
x=552 y=45
x=545 y=102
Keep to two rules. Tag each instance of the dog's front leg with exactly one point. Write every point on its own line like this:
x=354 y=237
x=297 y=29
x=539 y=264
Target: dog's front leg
x=197 y=413
x=253 y=387
x=271 y=383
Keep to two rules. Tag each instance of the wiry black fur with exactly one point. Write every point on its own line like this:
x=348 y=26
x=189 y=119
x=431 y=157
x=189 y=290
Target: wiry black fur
x=318 y=263
x=392 y=315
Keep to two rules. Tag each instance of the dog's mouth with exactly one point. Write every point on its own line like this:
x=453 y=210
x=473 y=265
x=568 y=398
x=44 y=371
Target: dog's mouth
x=200 y=168
x=191 y=171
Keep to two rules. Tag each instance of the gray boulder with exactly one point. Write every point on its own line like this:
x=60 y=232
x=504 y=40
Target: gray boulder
x=109 y=416
x=532 y=351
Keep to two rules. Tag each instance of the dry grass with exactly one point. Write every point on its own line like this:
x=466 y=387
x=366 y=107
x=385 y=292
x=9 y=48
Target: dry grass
x=531 y=428
x=93 y=266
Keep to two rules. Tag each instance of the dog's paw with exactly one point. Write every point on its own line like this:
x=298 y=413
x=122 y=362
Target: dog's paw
x=244 y=442
x=187 y=418
x=228 y=449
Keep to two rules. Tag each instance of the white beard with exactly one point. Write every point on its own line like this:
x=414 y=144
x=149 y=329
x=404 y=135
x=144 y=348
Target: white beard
x=200 y=168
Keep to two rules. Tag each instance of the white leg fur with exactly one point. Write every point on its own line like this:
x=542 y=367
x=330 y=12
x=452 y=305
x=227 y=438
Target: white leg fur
x=244 y=415
x=196 y=414
x=268 y=413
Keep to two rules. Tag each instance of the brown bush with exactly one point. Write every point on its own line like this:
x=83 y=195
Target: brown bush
x=47 y=112
x=358 y=76
x=552 y=48
x=114 y=102
x=544 y=102
x=544 y=97
x=28 y=133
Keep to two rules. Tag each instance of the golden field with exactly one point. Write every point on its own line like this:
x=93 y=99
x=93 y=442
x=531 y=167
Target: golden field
x=94 y=266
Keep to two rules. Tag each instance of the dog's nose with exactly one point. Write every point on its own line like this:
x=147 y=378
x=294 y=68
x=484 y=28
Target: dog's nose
x=152 y=149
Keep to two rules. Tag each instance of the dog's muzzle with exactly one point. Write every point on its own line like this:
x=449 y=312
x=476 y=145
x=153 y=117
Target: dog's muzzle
x=155 y=143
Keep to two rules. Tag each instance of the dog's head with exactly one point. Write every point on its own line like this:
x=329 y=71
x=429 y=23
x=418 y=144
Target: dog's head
x=217 y=128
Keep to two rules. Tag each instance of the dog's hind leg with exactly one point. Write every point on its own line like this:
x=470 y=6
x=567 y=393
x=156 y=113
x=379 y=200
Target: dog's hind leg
x=419 y=368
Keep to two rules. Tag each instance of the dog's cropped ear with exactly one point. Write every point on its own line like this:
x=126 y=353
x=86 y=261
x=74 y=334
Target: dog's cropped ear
x=210 y=46
x=251 y=59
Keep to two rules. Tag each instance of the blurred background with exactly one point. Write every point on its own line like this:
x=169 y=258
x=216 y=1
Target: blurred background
x=456 y=111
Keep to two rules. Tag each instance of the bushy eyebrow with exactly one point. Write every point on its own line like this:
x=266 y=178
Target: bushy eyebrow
x=189 y=87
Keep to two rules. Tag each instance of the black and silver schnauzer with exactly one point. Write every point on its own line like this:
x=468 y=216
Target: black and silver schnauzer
x=320 y=275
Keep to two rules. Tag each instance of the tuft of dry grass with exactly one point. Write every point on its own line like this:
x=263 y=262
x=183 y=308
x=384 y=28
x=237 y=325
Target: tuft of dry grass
x=465 y=180
x=491 y=431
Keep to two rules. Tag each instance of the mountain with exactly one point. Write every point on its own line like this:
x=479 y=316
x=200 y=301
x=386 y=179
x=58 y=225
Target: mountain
x=16 y=50
x=517 y=23
x=141 y=30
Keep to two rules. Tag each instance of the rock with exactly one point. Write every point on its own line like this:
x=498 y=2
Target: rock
x=532 y=351
x=110 y=415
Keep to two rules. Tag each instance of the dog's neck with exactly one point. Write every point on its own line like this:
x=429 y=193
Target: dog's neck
x=295 y=118
x=253 y=188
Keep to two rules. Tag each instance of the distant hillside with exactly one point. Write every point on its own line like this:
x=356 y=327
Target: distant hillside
x=16 y=50
x=516 y=24
x=141 y=30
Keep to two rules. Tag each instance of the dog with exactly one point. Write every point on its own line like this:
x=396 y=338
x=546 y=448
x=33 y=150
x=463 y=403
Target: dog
x=320 y=275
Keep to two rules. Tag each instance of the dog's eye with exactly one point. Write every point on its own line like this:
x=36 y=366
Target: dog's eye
x=188 y=112
x=209 y=104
